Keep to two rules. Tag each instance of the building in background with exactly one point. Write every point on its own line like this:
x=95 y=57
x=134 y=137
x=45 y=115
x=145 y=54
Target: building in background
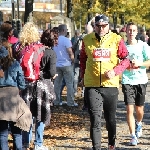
x=43 y=10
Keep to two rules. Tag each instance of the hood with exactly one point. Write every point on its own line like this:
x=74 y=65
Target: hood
x=12 y=39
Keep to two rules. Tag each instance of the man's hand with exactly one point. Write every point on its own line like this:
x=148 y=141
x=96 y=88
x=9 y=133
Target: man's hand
x=110 y=74
x=136 y=64
x=55 y=76
x=1 y=73
x=72 y=60
x=71 y=54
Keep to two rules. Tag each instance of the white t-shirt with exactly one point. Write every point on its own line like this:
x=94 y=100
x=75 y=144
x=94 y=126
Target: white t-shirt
x=63 y=58
x=140 y=52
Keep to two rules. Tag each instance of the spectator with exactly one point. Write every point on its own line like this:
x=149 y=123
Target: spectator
x=14 y=113
x=75 y=39
x=15 y=32
x=64 y=67
x=8 y=33
x=142 y=36
x=39 y=106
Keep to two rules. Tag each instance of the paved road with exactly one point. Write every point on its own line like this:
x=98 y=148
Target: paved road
x=79 y=140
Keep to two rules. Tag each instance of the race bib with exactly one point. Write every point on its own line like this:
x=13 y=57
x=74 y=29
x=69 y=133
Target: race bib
x=101 y=54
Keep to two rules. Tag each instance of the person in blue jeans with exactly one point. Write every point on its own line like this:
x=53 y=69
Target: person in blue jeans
x=16 y=132
x=39 y=94
x=64 y=66
x=62 y=87
x=27 y=136
x=14 y=113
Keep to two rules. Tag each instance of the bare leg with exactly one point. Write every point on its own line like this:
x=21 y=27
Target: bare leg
x=130 y=118
x=139 y=113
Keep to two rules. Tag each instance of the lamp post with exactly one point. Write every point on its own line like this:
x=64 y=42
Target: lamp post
x=61 y=7
x=115 y=20
x=13 y=9
x=1 y=17
x=18 y=9
x=69 y=9
x=28 y=9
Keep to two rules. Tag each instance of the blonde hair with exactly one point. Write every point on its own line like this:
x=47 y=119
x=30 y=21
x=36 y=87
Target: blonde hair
x=29 y=34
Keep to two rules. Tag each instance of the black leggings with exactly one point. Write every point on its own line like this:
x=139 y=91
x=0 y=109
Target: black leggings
x=99 y=99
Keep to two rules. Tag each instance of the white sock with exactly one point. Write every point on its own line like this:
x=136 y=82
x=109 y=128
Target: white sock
x=139 y=123
x=132 y=134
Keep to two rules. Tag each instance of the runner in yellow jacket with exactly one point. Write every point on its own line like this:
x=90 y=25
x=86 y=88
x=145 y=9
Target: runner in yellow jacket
x=102 y=59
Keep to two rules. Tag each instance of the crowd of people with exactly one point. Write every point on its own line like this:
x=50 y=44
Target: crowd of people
x=34 y=70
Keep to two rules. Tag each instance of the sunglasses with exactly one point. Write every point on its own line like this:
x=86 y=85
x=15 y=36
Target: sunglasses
x=101 y=26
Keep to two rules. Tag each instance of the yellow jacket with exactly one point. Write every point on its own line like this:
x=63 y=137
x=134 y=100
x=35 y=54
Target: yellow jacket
x=94 y=72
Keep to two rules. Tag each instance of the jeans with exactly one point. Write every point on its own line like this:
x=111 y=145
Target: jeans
x=16 y=133
x=27 y=136
x=104 y=98
x=62 y=87
x=67 y=73
x=76 y=77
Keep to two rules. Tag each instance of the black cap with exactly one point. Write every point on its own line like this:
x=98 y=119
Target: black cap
x=101 y=18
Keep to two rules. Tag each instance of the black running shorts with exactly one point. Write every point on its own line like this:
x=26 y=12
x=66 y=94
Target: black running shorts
x=134 y=94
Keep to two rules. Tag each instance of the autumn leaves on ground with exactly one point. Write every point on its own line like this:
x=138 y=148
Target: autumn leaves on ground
x=70 y=126
x=65 y=123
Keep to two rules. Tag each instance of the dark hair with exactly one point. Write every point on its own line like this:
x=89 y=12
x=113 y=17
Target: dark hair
x=7 y=22
x=130 y=23
x=15 y=32
x=47 y=38
x=55 y=31
x=7 y=61
x=5 y=29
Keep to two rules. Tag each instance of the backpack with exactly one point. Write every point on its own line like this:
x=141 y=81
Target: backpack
x=30 y=61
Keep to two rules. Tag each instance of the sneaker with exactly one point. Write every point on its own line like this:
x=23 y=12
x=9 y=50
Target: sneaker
x=138 y=130
x=74 y=105
x=64 y=103
x=36 y=147
x=133 y=141
x=110 y=147
x=60 y=104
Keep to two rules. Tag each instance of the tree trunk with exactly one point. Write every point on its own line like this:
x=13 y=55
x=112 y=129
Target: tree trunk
x=28 y=9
